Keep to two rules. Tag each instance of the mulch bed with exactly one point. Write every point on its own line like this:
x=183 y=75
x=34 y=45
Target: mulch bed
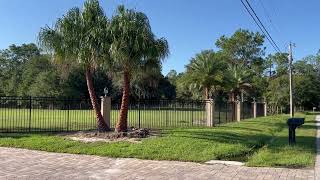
x=132 y=135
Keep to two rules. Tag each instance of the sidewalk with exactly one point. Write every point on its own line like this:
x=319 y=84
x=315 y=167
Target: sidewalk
x=28 y=164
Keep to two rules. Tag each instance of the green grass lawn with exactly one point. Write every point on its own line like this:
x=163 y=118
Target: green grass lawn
x=63 y=120
x=258 y=142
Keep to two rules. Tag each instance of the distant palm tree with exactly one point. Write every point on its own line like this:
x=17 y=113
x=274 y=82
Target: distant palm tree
x=80 y=37
x=206 y=72
x=240 y=75
x=133 y=47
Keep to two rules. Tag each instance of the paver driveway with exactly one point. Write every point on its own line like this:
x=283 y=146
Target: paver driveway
x=28 y=164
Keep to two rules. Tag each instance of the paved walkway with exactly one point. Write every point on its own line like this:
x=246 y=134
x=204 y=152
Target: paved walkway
x=28 y=164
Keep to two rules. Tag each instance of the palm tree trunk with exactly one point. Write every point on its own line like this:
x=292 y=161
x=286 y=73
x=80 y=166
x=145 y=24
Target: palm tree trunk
x=102 y=126
x=122 y=124
x=206 y=93
x=232 y=96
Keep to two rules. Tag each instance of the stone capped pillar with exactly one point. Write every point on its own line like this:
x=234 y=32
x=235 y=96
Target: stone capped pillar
x=254 y=104
x=238 y=111
x=106 y=109
x=210 y=112
x=265 y=108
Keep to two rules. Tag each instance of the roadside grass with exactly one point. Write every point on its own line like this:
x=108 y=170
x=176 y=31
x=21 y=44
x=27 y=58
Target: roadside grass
x=258 y=142
x=279 y=153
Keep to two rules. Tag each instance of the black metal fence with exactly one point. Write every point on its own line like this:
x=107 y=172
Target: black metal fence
x=172 y=113
x=45 y=114
x=48 y=114
x=246 y=110
x=162 y=113
x=224 y=112
x=260 y=109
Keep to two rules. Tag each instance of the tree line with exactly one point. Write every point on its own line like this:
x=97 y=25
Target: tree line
x=26 y=70
x=85 y=51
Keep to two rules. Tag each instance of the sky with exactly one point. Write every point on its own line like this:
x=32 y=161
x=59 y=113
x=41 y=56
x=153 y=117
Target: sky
x=189 y=26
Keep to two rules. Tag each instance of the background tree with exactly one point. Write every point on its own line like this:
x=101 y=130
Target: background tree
x=133 y=46
x=80 y=37
x=38 y=66
x=243 y=47
x=306 y=84
x=45 y=84
x=243 y=52
x=13 y=61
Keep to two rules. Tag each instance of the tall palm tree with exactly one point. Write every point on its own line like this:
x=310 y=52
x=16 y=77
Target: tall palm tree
x=80 y=37
x=206 y=72
x=133 y=47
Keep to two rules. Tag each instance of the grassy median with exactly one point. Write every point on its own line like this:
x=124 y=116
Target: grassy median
x=258 y=142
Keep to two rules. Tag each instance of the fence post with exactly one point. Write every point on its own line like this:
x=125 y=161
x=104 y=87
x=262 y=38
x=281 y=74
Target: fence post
x=219 y=122
x=238 y=110
x=139 y=113
x=265 y=108
x=227 y=111
x=30 y=109
x=210 y=112
x=254 y=109
x=167 y=117
x=106 y=109
x=68 y=114
x=192 y=109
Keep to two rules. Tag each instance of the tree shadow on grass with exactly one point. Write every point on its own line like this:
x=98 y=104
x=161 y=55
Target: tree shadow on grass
x=23 y=133
x=253 y=138
x=223 y=136
x=14 y=135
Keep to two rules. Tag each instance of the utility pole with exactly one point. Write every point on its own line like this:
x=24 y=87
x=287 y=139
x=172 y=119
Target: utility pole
x=290 y=80
x=270 y=69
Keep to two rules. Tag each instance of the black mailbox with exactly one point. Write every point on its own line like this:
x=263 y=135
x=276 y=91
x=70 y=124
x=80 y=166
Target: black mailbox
x=293 y=123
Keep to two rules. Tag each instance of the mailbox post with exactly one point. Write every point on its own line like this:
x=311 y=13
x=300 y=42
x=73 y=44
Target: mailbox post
x=293 y=123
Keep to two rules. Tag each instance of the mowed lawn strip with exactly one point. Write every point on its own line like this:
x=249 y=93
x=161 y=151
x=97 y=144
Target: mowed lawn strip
x=57 y=120
x=258 y=142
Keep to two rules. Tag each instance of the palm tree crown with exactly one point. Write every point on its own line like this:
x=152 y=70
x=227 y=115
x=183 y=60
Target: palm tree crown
x=205 y=72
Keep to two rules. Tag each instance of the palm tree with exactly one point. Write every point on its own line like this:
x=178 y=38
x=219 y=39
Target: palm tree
x=133 y=47
x=240 y=75
x=206 y=72
x=80 y=37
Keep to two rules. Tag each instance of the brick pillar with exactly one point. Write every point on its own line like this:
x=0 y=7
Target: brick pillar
x=106 y=109
x=238 y=111
x=254 y=109
x=265 y=108
x=210 y=112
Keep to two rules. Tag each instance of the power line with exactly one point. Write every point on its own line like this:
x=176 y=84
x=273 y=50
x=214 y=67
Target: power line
x=274 y=10
x=269 y=17
x=260 y=25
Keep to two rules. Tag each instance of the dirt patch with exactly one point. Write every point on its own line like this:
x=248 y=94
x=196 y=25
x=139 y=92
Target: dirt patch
x=133 y=136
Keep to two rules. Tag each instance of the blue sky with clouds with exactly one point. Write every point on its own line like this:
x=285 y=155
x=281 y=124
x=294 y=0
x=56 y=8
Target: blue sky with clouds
x=189 y=25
